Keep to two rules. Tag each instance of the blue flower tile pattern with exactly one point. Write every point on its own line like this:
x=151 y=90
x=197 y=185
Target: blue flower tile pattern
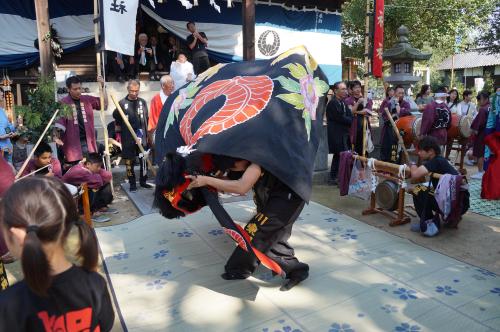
x=349 y=236
x=160 y=254
x=156 y=284
x=486 y=273
x=331 y=219
x=185 y=234
x=496 y=291
x=389 y=308
x=121 y=255
x=446 y=290
x=405 y=327
x=284 y=328
x=216 y=232
x=337 y=327
x=406 y=294
x=166 y=274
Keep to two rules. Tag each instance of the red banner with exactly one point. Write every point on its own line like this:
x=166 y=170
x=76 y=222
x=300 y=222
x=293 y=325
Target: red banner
x=378 y=38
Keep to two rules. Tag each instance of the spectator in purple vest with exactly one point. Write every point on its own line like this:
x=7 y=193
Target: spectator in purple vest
x=436 y=118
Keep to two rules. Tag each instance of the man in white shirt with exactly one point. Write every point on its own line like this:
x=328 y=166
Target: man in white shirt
x=466 y=107
x=181 y=71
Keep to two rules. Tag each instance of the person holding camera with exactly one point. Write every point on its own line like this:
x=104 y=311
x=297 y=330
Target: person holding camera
x=398 y=107
x=198 y=42
x=143 y=54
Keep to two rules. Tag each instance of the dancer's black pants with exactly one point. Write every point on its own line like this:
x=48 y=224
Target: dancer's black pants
x=270 y=230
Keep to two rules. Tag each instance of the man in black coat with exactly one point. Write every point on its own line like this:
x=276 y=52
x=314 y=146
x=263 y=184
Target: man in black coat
x=339 y=120
x=136 y=110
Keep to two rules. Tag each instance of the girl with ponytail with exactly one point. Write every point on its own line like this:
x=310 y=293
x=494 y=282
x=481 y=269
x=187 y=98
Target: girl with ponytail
x=36 y=216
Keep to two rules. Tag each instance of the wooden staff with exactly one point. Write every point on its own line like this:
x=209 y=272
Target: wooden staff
x=101 y=95
x=35 y=171
x=400 y=139
x=36 y=145
x=87 y=215
x=132 y=132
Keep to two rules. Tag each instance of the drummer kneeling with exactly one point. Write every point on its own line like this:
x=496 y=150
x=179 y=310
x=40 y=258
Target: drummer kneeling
x=447 y=198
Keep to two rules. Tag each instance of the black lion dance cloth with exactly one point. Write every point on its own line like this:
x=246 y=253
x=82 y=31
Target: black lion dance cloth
x=268 y=112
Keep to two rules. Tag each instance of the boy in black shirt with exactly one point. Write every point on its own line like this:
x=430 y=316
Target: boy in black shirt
x=423 y=197
x=37 y=214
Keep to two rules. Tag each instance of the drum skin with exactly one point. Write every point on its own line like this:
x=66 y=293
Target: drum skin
x=416 y=128
x=464 y=125
x=460 y=127
x=386 y=195
x=405 y=124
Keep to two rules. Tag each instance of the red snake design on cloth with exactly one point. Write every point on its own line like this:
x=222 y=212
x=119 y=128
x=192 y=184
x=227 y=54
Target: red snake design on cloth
x=246 y=97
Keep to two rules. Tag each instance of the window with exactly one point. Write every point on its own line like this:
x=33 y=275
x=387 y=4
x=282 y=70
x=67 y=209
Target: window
x=397 y=68
x=407 y=67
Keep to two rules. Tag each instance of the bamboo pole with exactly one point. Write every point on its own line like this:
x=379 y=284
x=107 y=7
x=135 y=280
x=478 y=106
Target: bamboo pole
x=36 y=145
x=400 y=139
x=101 y=94
x=132 y=132
x=87 y=214
x=367 y=65
x=35 y=171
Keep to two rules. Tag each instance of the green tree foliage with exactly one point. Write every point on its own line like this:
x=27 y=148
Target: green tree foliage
x=490 y=39
x=434 y=25
x=40 y=108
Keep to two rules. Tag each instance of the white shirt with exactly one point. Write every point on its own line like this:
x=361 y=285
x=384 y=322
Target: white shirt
x=464 y=108
x=163 y=97
x=179 y=73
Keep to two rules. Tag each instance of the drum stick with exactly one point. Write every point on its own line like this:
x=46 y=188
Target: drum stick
x=400 y=139
x=132 y=132
x=35 y=171
x=37 y=144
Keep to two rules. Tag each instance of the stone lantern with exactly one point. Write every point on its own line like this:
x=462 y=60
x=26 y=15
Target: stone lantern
x=402 y=56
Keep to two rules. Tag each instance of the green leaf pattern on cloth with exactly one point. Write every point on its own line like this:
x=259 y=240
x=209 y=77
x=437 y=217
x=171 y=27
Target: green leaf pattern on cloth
x=304 y=93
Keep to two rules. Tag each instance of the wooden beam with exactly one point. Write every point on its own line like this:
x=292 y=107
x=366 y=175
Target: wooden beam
x=43 y=28
x=248 y=15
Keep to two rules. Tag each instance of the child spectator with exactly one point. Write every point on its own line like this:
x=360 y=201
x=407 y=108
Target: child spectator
x=43 y=158
x=36 y=215
x=98 y=181
x=20 y=153
x=114 y=143
x=478 y=127
x=7 y=177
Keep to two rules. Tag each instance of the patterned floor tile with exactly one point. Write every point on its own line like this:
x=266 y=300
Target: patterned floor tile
x=489 y=208
x=166 y=276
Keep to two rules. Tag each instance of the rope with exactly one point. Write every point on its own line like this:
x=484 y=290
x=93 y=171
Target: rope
x=374 y=178
x=402 y=176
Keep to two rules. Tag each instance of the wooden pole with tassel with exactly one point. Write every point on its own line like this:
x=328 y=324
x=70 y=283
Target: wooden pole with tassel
x=367 y=71
x=107 y=158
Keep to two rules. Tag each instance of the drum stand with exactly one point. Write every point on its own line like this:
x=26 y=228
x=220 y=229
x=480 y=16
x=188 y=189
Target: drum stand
x=460 y=145
x=397 y=217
